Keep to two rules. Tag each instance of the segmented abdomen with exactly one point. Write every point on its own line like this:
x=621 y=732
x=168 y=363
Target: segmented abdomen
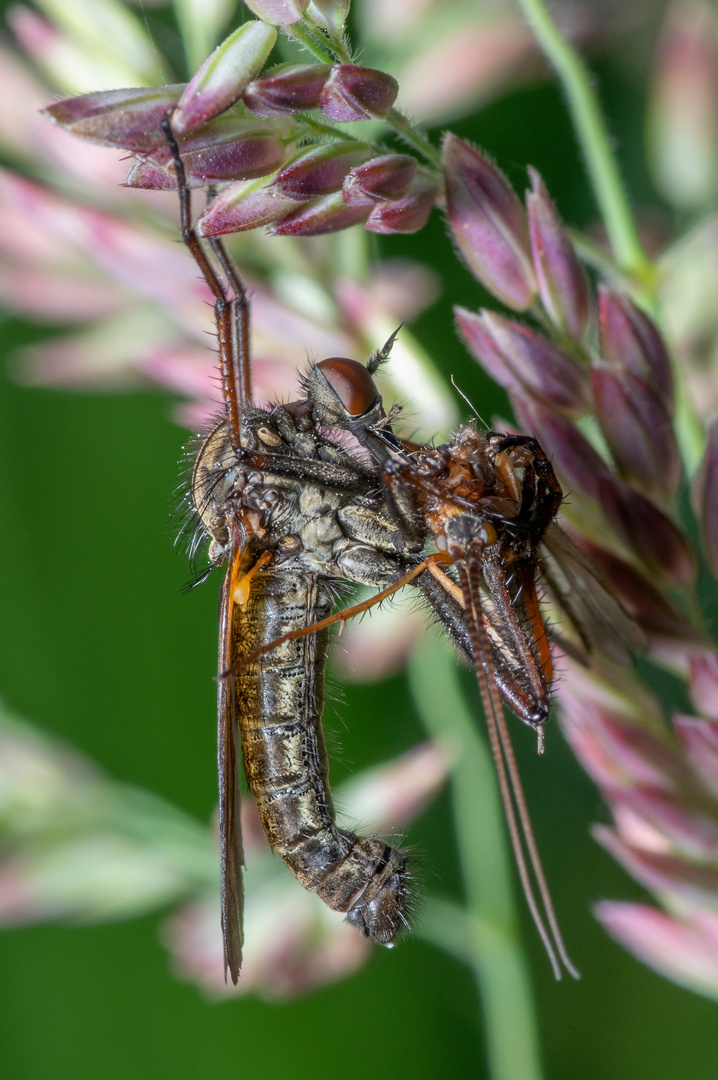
x=280 y=700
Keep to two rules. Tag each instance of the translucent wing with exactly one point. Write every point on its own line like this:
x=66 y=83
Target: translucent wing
x=579 y=590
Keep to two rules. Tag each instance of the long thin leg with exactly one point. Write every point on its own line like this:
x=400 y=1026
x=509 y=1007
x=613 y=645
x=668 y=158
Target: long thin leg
x=511 y=789
x=234 y=355
x=339 y=616
x=243 y=354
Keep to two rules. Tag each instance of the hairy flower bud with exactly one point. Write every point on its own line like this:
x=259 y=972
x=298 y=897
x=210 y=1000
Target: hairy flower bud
x=488 y=224
x=329 y=214
x=319 y=170
x=224 y=75
x=561 y=280
x=408 y=214
x=226 y=149
x=288 y=88
x=386 y=177
x=357 y=93
x=241 y=207
x=630 y=341
x=130 y=119
x=521 y=359
x=637 y=429
x=657 y=541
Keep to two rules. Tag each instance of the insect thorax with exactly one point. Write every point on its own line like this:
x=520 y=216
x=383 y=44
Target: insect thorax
x=296 y=493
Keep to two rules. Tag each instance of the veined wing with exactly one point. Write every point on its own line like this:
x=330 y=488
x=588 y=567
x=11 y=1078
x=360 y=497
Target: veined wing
x=579 y=590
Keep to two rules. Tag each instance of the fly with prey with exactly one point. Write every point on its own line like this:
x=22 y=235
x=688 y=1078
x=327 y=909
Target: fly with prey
x=292 y=515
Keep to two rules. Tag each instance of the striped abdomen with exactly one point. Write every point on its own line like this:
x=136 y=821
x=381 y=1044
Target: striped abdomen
x=280 y=700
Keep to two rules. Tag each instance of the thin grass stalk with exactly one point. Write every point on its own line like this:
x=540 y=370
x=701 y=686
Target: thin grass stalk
x=491 y=943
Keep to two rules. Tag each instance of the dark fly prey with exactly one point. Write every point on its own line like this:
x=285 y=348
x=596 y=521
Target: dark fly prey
x=487 y=503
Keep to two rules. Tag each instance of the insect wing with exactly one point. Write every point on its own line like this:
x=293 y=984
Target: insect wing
x=230 y=826
x=577 y=588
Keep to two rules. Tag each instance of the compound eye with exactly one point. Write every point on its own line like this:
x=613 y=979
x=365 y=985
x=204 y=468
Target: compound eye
x=351 y=382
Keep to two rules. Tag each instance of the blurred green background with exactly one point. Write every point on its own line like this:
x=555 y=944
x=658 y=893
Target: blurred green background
x=98 y=646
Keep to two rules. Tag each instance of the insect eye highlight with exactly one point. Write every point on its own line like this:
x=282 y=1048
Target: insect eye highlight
x=351 y=382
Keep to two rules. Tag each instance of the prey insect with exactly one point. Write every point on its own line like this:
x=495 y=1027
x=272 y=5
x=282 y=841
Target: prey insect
x=488 y=504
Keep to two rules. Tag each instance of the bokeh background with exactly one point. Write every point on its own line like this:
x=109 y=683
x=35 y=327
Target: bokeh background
x=99 y=646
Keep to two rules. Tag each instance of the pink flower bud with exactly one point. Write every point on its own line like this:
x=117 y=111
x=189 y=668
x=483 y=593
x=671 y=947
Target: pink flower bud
x=699 y=739
x=357 y=93
x=488 y=224
x=685 y=818
x=386 y=177
x=329 y=214
x=629 y=340
x=705 y=497
x=224 y=75
x=704 y=686
x=663 y=873
x=148 y=177
x=289 y=88
x=527 y=361
x=637 y=430
x=130 y=119
x=561 y=280
x=226 y=149
x=278 y=12
x=683 y=949
x=573 y=456
x=616 y=729
x=657 y=541
x=320 y=170
x=480 y=344
x=241 y=207
x=408 y=214
x=618 y=752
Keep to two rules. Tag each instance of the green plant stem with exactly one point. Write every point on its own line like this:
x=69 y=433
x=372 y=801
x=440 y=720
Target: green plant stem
x=318 y=128
x=594 y=141
x=412 y=136
x=485 y=936
x=305 y=36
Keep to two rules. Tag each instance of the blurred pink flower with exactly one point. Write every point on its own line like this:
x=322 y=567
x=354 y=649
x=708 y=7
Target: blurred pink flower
x=682 y=948
x=683 y=119
x=662 y=789
x=77 y=846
